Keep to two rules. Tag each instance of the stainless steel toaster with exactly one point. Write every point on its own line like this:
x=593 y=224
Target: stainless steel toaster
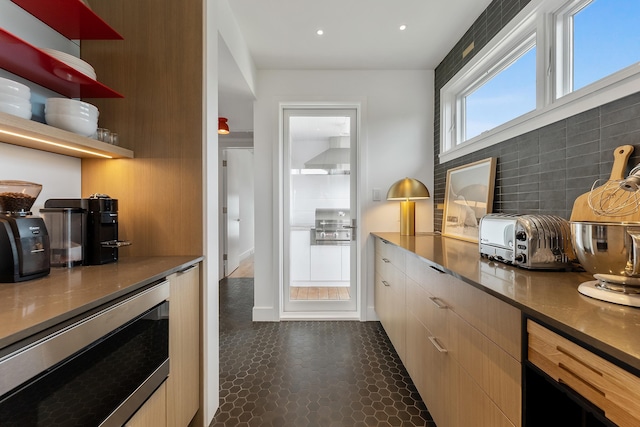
x=536 y=242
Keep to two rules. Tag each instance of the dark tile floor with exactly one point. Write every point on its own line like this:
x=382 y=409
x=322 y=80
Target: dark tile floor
x=320 y=374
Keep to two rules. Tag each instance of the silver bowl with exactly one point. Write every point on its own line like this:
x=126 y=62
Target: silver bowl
x=607 y=247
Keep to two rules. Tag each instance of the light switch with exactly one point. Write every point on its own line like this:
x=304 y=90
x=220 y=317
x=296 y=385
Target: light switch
x=376 y=195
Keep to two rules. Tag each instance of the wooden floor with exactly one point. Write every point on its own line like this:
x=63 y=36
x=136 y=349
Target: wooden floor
x=318 y=293
x=244 y=270
x=296 y=292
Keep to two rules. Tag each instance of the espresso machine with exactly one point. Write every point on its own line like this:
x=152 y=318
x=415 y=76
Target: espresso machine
x=98 y=226
x=24 y=241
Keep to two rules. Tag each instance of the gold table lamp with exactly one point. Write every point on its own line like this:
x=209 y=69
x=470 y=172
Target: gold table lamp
x=407 y=190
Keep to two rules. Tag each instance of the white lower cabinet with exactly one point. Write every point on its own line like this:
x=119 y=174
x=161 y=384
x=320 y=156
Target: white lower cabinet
x=300 y=251
x=346 y=263
x=461 y=346
x=326 y=263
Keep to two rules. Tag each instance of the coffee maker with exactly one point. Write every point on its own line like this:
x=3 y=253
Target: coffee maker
x=24 y=241
x=99 y=226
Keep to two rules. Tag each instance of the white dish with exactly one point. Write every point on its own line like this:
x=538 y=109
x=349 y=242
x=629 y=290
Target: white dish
x=72 y=61
x=79 y=114
x=13 y=99
x=66 y=105
x=64 y=109
x=10 y=87
x=16 y=110
x=75 y=124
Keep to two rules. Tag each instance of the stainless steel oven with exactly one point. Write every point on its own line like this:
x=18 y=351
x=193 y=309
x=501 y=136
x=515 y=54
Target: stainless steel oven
x=332 y=227
x=94 y=370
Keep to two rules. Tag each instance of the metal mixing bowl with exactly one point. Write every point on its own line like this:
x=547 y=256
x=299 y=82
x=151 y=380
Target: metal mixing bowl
x=607 y=247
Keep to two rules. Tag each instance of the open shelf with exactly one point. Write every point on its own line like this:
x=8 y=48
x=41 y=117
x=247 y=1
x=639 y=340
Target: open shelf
x=28 y=133
x=71 y=18
x=25 y=60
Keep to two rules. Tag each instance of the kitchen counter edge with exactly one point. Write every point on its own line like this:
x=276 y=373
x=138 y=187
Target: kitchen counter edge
x=551 y=297
x=28 y=308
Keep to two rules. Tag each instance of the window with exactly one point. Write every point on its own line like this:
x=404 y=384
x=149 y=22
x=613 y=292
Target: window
x=603 y=39
x=556 y=59
x=505 y=95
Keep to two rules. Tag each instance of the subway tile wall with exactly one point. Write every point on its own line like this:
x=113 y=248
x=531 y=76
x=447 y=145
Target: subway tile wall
x=542 y=171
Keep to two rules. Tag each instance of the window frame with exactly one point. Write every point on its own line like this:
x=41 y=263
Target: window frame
x=550 y=20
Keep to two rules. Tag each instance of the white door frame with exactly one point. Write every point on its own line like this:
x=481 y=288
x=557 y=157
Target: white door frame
x=357 y=215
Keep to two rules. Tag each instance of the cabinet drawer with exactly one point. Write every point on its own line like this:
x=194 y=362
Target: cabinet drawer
x=604 y=384
x=496 y=319
x=430 y=277
x=390 y=252
x=499 y=321
x=495 y=372
x=431 y=312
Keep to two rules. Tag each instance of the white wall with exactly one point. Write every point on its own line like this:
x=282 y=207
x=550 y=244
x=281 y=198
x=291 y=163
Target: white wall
x=396 y=140
x=317 y=191
x=60 y=175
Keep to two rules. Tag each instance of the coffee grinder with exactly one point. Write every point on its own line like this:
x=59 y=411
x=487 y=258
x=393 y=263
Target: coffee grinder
x=24 y=241
x=100 y=226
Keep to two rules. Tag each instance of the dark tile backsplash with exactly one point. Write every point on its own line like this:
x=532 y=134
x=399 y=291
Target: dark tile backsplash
x=542 y=171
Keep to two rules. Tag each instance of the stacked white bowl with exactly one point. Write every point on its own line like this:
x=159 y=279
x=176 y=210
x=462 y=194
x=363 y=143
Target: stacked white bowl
x=72 y=115
x=15 y=98
x=73 y=62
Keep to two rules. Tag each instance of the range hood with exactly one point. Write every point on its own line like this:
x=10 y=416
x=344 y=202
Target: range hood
x=336 y=158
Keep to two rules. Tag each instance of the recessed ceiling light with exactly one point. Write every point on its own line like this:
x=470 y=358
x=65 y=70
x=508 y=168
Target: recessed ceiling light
x=403 y=27
x=320 y=32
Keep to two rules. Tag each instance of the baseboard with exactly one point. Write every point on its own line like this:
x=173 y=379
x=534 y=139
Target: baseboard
x=265 y=314
x=246 y=254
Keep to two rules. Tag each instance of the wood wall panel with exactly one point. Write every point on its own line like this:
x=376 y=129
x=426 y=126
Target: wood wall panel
x=158 y=67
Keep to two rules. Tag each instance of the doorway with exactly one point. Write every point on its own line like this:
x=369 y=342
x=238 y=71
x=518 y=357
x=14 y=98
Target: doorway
x=320 y=212
x=237 y=210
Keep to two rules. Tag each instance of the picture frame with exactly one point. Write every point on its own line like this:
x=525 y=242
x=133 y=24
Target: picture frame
x=468 y=196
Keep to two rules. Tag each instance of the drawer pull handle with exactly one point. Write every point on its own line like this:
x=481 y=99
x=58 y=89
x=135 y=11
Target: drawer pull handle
x=386 y=260
x=188 y=269
x=437 y=345
x=437 y=269
x=384 y=282
x=575 y=358
x=438 y=303
x=577 y=377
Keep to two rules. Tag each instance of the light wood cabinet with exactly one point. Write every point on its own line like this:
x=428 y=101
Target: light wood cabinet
x=609 y=387
x=184 y=333
x=152 y=413
x=389 y=292
x=461 y=345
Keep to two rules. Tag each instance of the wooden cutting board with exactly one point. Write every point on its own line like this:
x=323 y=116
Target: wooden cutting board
x=607 y=193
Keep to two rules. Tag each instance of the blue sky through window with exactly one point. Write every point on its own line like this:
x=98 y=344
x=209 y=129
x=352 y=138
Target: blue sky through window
x=606 y=39
x=508 y=95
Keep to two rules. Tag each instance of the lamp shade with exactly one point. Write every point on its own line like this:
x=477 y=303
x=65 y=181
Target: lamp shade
x=223 y=127
x=408 y=189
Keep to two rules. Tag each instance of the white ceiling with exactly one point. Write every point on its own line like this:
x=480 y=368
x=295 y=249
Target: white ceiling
x=358 y=34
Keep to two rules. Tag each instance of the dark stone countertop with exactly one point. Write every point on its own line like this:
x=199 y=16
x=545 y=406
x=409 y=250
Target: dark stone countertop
x=30 y=307
x=551 y=297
